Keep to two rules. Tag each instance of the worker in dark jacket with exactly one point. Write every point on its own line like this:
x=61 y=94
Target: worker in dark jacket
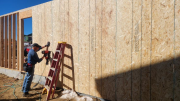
x=32 y=60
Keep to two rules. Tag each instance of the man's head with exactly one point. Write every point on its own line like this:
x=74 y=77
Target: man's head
x=35 y=47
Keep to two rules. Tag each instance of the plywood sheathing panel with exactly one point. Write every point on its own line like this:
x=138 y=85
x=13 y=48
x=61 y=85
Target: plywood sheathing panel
x=92 y=40
x=42 y=40
x=123 y=50
x=58 y=29
x=84 y=44
x=25 y=14
x=108 y=49
x=9 y=42
x=162 y=50
x=98 y=47
x=66 y=70
x=146 y=48
x=136 y=50
x=113 y=53
x=177 y=52
x=35 y=23
x=5 y=43
x=73 y=43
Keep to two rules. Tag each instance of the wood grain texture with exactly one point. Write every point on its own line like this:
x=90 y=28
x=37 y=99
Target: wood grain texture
x=5 y=43
x=123 y=50
x=25 y=14
x=73 y=44
x=14 y=41
x=136 y=50
x=48 y=32
x=66 y=72
x=177 y=52
x=92 y=41
x=35 y=22
x=98 y=47
x=162 y=50
x=1 y=41
x=84 y=37
x=21 y=44
x=56 y=29
x=18 y=62
x=9 y=42
x=73 y=34
x=108 y=49
x=146 y=48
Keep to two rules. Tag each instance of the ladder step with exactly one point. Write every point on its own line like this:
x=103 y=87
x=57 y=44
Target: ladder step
x=47 y=87
x=52 y=68
x=55 y=59
x=50 y=78
x=58 y=51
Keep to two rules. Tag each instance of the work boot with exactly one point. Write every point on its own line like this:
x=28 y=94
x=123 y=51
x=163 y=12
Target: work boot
x=26 y=94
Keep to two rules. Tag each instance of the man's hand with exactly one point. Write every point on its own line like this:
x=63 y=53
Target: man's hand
x=42 y=58
x=48 y=44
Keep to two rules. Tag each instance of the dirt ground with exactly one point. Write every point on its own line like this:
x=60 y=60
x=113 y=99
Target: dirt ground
x=10 y=90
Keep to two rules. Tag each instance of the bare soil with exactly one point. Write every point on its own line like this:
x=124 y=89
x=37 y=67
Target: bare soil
x=9 y=85
x=10 y=90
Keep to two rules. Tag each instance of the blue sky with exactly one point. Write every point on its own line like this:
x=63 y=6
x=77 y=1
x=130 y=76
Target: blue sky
x=8 y=6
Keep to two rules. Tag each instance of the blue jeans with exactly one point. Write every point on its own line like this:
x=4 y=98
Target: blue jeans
x=27 y=81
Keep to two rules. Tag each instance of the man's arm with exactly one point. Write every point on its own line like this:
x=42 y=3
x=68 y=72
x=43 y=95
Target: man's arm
x=36 y=58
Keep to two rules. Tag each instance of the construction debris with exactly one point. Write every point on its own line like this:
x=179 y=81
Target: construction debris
x=71 y=95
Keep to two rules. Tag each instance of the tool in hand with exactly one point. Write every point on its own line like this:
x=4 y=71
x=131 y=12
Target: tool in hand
x=47 y=56
x=47 y=53
x=51 y=80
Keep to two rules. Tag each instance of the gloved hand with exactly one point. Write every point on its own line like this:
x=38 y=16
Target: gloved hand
x=48 y=44
x=45 y=55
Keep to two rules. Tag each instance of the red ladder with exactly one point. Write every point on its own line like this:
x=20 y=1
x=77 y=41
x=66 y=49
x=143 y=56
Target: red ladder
x=52 y=78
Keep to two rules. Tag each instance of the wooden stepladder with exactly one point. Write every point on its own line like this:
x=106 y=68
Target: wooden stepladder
x=54 y=71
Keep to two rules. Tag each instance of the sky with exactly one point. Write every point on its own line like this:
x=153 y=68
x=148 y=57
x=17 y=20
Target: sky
x=8 y=6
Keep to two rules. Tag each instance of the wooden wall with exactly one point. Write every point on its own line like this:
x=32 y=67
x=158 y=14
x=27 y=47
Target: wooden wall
x=121 y=50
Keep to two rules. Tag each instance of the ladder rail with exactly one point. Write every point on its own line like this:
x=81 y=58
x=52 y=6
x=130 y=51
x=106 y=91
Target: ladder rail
x=53 y=74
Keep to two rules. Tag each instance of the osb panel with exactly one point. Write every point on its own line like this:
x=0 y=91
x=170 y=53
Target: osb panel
x=48 y=30
x=66 y=67
x=98 y=47
x=42 y=41
x=123 y=50
x=92 y=47
x=73 y=44
x=25 y=14
x=136 y=50
x=146 y=48
x=84 y=37
x=55 y=36
x=73 y=33
x=162 y=50
x=37 y=16
x=177 y=52
x=108 y=49
x=89 y=28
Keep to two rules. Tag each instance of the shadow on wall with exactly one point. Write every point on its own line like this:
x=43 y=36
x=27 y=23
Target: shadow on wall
x=156 y=82
x=68 y=66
